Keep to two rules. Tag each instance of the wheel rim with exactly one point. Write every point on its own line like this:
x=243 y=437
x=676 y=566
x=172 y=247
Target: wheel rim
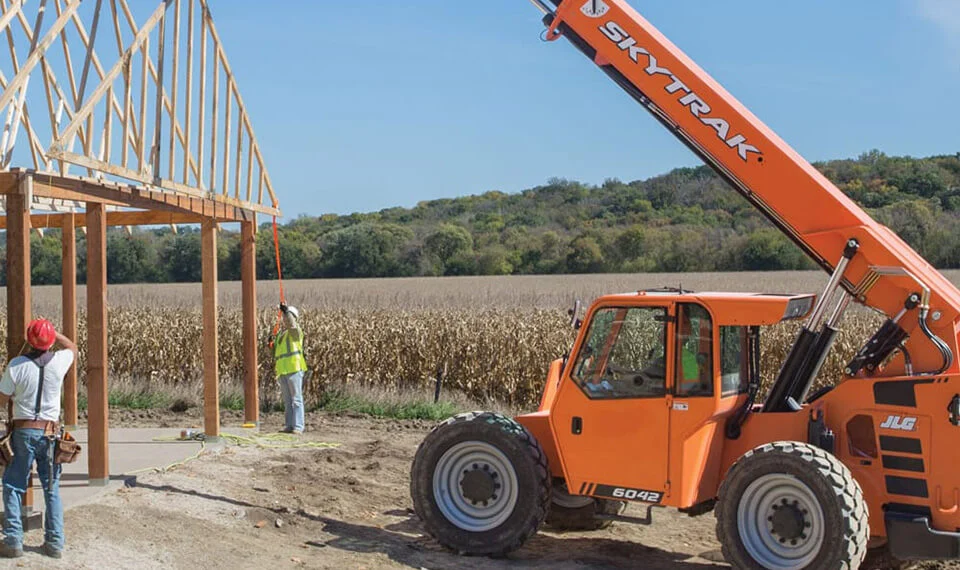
x=781 y=523
x=475 y=486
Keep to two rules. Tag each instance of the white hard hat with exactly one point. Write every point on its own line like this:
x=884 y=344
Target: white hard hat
x=293 y=311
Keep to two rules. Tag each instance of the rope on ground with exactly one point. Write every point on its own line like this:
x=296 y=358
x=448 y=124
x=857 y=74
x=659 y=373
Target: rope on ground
x=203 y=445
x=277 y=441
x=267 y=441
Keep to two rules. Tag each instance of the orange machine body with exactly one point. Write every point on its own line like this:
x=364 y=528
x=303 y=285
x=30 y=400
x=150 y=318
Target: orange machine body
x=673 y=451
x=893 y=422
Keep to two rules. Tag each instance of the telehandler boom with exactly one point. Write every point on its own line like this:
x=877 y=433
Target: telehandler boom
x=657 y=401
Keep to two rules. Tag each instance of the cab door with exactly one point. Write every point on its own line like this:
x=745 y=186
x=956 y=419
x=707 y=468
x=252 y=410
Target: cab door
x=611 y=415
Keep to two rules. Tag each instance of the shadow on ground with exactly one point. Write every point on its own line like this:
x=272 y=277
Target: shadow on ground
x=404 y=542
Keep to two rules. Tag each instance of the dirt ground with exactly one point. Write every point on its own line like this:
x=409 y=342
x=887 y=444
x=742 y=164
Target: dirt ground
x=349 y=507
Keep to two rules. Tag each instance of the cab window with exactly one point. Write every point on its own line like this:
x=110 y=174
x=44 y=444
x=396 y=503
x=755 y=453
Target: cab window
x=694 y=366
x=624 y=354
x=734 y=361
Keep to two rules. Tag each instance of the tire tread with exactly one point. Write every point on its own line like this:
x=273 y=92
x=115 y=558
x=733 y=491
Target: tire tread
x=856 y=531
x=534 y=450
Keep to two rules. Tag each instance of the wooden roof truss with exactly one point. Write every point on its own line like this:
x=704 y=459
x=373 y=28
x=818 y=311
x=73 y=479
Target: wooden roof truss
x=135 y=98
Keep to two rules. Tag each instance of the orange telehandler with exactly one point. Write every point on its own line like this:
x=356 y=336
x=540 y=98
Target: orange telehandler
x=657 y=402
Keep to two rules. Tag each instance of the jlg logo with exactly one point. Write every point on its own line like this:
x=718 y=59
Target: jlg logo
x=898 y=423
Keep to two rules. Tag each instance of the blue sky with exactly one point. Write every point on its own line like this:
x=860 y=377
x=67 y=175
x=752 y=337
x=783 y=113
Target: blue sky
x=367 y=105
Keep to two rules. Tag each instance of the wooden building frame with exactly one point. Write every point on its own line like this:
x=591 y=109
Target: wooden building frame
x=152 y=122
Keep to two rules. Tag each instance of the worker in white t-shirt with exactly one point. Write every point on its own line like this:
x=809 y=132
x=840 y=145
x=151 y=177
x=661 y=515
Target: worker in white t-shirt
x=33 y=383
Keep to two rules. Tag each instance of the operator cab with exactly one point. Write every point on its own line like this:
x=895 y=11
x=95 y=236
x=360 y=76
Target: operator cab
x=711 y=340
x=653 y=386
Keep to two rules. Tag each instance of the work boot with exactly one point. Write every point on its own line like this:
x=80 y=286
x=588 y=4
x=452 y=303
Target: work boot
x=51 y=550
x=7 y=551
x=286 y=430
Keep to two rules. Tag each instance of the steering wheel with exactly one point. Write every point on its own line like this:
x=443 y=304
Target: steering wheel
x=643 y=378
x=640 y=375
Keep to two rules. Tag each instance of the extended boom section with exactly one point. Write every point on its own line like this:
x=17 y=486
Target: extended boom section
x=797 y=198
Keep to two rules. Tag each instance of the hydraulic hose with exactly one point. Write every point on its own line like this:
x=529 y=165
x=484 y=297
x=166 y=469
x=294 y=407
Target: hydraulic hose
x=907 y=361
x=945 y=351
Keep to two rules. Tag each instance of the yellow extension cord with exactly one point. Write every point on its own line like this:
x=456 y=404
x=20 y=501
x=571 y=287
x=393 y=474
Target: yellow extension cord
x=269 y=441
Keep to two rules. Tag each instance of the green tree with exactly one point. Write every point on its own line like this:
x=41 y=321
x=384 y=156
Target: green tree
x=585 y=255
x=631 y=243
x=768 y=249
x=367 y=250
x=45 y=259
x=447 y=243
x=132 y=258
x=180 y=257
x=494 y=261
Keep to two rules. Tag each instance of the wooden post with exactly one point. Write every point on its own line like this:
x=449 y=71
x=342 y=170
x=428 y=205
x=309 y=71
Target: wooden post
x=69 y=291
x=211 y=368
x=18 y=296
x=18 y=273
x=248 y=276
x=98 y=458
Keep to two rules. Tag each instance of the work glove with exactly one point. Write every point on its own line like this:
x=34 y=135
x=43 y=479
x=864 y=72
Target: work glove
x=283 y=308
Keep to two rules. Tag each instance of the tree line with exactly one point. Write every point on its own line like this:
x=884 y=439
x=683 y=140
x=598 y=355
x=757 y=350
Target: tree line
x=686 y=220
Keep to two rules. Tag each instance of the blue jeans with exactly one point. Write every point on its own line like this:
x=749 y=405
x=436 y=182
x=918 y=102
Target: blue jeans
x=31 y=445
x=291 y=386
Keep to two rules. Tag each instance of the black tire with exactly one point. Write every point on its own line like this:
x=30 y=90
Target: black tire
x=564 y=517
x=845 y=529
x=517 y=519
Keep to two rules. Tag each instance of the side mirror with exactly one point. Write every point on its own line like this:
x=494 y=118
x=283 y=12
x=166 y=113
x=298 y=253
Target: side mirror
x=574 y=314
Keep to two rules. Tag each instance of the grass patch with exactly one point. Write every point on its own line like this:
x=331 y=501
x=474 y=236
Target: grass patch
x=138 y=400
x=232 y=400
x=380 y=407
x=374 y=402
x=131 y=400
x=345 y=397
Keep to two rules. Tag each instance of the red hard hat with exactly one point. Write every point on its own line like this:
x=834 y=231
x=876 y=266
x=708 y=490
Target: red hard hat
x=41 y=335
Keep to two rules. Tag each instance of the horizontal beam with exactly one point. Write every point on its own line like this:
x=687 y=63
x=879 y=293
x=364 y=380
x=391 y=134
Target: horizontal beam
x=142 y=218
x=113 y=193
x=160 y=184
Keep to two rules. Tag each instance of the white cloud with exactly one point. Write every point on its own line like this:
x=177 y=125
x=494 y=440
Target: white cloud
x=943 y=13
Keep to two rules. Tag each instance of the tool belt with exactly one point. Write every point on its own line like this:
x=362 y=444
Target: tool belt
x=6 y=446
x=48 y=427
x=66 y=448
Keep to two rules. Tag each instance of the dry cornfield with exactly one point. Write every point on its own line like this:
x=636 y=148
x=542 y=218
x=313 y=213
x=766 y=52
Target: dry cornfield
x=490 y=338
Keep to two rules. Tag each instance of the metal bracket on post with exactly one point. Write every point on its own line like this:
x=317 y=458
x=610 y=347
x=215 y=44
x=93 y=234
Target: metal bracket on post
x=26 y=189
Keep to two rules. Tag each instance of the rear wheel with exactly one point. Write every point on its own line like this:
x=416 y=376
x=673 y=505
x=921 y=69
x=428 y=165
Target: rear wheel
x=480 y=483
x=574 y=512
x=789 y=505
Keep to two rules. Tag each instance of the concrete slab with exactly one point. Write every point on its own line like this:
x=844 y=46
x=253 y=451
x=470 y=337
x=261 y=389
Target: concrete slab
x=132 y=451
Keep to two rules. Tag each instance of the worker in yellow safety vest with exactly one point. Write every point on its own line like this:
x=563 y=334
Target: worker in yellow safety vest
x=290 y=366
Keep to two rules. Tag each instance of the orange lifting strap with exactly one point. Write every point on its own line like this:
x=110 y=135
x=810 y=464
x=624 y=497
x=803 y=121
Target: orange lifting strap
x=283 y=299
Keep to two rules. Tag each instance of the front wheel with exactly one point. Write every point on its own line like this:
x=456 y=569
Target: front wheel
x=789 y=505
x=480 y=483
